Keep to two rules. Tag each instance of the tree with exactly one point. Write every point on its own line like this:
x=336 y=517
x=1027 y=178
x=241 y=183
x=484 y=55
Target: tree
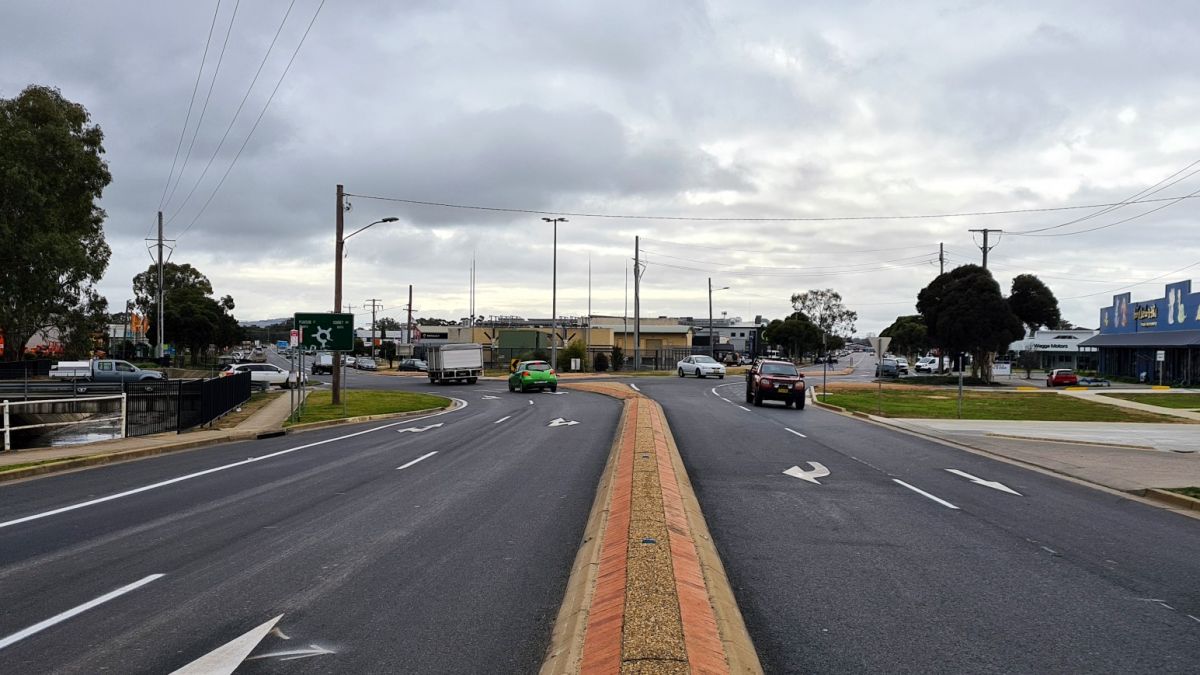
x=1033 y=302
x=575 y=350
x=385 y=323
x=191 y=316
x=824 y=309
x=795 y=334
x=51 y=231
x=909 y=335
x=964 y=311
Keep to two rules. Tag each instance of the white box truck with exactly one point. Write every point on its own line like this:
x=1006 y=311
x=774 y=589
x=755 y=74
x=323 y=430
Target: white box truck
x=455 y=363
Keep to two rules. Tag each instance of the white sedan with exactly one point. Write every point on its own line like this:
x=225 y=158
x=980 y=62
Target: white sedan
x=701 y=366
x=264 y=374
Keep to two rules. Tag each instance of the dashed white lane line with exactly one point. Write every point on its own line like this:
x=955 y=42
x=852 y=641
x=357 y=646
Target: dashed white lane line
x=744 y=408
x=633 y=387
x=502 y=419
x=59 y=618
x=419 y=459
x=793 y=431
x=153 y=486
x=923 y=493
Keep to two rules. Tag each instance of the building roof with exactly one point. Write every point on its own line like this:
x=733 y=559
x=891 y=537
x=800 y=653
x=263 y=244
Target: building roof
x=1167 y=338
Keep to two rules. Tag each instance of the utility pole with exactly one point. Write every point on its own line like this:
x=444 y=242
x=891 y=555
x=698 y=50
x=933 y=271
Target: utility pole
x=160 y=285
x=336 y=396
x=637 y=307
x=941 y=259
x=711 y=347
x=985 y=248
x=376 y=304
x=587 y=352
x=410 y=326
x=554 y=296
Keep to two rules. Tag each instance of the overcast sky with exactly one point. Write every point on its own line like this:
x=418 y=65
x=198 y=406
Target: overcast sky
x=742 y=109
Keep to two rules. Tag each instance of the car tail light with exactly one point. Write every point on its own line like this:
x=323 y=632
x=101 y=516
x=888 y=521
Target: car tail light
x=524 y=373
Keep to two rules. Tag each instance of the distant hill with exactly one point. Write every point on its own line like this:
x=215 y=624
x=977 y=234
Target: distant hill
x=265 y=322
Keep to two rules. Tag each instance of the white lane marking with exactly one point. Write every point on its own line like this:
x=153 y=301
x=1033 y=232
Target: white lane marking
x=744 y=408
x=417 y=430
x=502 y=419
x=489 y=397
x=919 y=491
x=227 y=657
x=995 y=485
x=59 y=618
x=724 y=399
x=172 y=481
x=818 y=471
x=633 y=387
x=795 y=432
x=293 y=654
x=530 y=401
x=421 y=458
x=1196 y=619
x=560 y=422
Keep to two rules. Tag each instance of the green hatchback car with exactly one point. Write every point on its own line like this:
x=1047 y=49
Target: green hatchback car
x=533 y=375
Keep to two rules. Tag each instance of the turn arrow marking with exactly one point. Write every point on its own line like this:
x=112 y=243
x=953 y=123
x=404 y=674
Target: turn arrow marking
x=489 y=397
x=419 y=429
x=560 y=422
x=293 y=654
x=995 y=485
x=818 y=471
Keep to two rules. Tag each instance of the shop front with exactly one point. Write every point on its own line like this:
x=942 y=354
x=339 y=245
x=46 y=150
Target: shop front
x=1152 y=341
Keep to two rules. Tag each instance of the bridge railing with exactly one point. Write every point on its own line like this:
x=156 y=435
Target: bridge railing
x=89 y=409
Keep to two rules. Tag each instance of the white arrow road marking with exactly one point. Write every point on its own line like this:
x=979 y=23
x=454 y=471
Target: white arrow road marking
x=794 y=432
x=560 y=422
x=987 y=483
x=421 y=458
x=633 y=387
x=226 y=658
x=489 y=397
x=293 y=654
x=530 y=401
x=919 y=491
x=59 y=618
x=818 y=471
x=419 y=429
x=502 y=419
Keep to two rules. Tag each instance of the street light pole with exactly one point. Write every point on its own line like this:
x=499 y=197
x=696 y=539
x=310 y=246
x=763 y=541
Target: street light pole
x=554 y=296
x=711 y=342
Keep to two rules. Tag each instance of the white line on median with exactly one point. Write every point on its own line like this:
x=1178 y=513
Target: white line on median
x=919 y=491
x=633 y=387
x=59 y=618
x=422 y=457
x=795 y=432
x=179 y=479
x=502 y=419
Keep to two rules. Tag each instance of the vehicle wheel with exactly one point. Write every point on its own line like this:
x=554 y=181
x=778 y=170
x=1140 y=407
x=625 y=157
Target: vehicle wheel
x=700 y=374
x=758 y=398
x=681 y=372
x=523 y=390
x=554 y=387
x=721 y=376
x=800 y=402
x=749 y=396
x=470 y=380
x=511 y=387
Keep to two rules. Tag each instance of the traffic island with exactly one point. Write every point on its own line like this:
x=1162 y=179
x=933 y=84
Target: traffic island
x=648 y=592
x=360 y=405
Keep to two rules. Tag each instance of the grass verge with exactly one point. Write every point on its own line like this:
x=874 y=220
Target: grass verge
x=979 y=405
x=1193 y=492
x=359 y=403
x=1180 y=401
x=25 y=465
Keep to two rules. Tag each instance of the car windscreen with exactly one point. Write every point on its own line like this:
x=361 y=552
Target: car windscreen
x=537 y=366
x=779 y=369
x=704 y=359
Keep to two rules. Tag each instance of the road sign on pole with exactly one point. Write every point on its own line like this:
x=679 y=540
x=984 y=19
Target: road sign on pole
x=880 y=345
x=326 y=332
x=294 y=338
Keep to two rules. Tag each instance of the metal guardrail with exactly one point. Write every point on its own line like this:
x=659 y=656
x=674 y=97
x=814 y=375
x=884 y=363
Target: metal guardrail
x=63 y=389
x=7 y=407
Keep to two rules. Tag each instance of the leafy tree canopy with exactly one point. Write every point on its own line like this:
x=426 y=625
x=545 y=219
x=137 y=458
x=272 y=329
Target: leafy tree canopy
x=388 y=323
x=1033 y=302
x=824 y=309
x=795 y=335
x=964 y=311
x=191 y=316
x=909 y=335
x=51 y=231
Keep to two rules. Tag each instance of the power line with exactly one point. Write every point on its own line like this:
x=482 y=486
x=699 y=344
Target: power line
x=778 y=252
x=207 y=97
x=237 y=112
x=742 y=219
x=191 y=104
x=836 y=273
x=256 y=121
x=798 y=268
x=1172 y=202
x=1147 y=281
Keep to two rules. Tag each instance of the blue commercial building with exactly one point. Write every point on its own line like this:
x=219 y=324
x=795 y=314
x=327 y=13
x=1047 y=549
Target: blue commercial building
x=1133 y=332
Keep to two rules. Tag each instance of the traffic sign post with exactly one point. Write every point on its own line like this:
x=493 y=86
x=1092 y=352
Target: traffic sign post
x=880 y=345
x=1160 y=356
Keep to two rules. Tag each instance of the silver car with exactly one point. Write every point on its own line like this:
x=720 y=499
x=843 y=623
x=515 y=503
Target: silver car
x=701 y=366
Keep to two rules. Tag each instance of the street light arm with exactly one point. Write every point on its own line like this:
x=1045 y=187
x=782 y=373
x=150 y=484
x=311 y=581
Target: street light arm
x=382 y=220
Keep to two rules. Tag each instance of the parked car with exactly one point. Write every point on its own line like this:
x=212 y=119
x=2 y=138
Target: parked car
x=700 y=366
x=349 y=361
x=1061 y=377
x=775 y=381
x=264 y=374
x=413 y=365
x=366 y=363
x=533 y=375
x=902 y=365
x=887 y=367
x=926 y=364
x=103 y=370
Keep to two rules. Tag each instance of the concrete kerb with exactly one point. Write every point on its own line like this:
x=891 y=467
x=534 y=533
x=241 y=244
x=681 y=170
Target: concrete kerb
x=570 y=631
x=1173 y=498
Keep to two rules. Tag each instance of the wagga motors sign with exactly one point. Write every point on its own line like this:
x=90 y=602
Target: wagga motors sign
x=1055 y=347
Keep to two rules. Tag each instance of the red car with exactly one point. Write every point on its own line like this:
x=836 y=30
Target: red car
x=775 y=380
x=1061 y=378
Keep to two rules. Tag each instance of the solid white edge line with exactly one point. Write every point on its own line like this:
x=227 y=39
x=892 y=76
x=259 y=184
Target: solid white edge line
x=502 y=419
x=919 y=491
x=421 y=458
x=634 y=387
x=179 y=479
x=59 y=618
x=795 y=432
x=744 y=408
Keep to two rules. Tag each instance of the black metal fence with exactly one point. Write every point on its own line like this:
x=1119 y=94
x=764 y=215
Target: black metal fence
x=154 y=406
x=23 y=370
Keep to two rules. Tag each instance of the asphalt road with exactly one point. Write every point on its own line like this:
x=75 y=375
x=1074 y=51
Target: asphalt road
x=861 y=573
x=438 y=550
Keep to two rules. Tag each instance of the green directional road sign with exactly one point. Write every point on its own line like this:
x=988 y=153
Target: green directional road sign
x=327 y=332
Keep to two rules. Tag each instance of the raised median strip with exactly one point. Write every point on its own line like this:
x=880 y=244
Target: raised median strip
x=648 y=592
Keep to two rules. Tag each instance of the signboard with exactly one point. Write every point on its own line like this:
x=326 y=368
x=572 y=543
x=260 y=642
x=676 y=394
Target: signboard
x=880 y=344
x=576 y=364
x=326 y=332
x=1002 y=368
x=294 y=339
x=1160 y=355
